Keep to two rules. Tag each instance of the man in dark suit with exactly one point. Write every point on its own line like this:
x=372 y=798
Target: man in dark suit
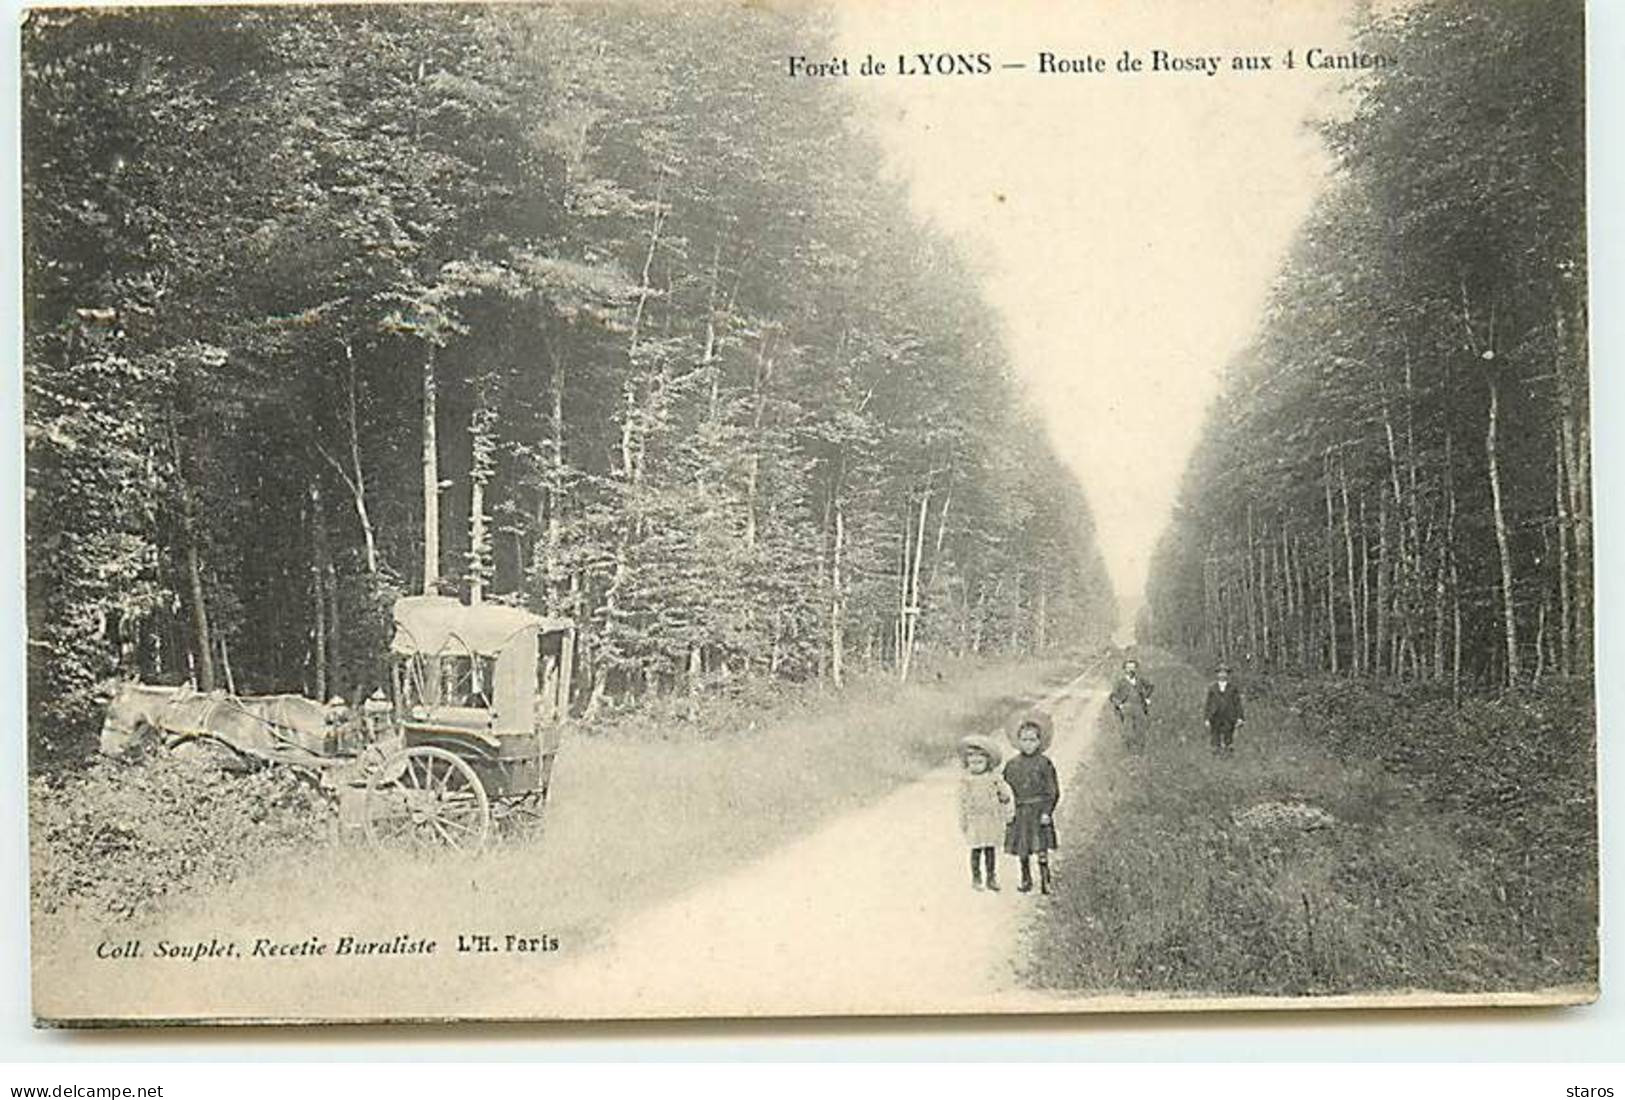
x=1223 y=711
x=1131 y=699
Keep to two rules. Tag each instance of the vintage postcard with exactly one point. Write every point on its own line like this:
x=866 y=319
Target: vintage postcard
x=711 y=509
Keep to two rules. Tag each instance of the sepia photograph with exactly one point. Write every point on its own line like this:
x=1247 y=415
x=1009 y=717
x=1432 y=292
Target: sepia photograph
x=706 y=509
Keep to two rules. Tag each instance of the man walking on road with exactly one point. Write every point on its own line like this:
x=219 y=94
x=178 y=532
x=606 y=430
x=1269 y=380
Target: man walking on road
x=1223 y=711
x=1131 y=699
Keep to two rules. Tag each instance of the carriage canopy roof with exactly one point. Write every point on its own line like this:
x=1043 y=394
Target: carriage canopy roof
x=441 y=624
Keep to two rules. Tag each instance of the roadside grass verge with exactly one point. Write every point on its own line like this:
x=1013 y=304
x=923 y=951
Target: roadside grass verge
x=121 y=839
x=638 y=810
x=1359 y=840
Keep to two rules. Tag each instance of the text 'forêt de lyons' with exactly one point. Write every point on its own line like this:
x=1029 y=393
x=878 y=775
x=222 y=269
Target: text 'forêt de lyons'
x=1049 y=62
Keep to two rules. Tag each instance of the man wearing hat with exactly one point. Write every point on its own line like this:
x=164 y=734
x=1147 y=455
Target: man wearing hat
x=1223 y=711
x=1131 y=699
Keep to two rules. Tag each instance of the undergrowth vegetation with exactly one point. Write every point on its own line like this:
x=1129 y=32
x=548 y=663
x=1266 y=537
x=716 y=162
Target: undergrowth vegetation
x=1360 y=839
x=119 y=840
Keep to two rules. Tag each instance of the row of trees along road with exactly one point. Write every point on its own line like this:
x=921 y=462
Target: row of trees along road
x=325 y=305
x=1396 y=481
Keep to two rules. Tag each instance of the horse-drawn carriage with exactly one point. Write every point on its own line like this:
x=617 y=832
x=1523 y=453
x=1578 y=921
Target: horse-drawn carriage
x=464 y=743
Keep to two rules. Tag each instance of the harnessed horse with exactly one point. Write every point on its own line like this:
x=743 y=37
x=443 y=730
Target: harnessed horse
x=266 y=727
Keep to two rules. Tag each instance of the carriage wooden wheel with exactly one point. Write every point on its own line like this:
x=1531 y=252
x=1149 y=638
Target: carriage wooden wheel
x=427 y=796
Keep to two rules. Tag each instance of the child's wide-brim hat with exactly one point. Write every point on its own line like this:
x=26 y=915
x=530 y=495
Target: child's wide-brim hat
x=1044 y=724
x=984 y=745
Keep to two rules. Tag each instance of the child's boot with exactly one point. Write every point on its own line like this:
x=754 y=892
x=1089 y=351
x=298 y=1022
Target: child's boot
x=992 y=869
x=1043 y=876
x=1026 y=886
x=975 y=869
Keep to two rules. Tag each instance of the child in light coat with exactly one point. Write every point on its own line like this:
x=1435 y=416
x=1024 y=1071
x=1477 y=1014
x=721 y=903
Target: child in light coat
x=986 y=807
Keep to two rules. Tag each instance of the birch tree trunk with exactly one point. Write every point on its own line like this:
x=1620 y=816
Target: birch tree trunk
x=1355 y=647
x=1438 y=611
x=327 y=583
x=630 y=443
x=1300 y=584
x=1249 y=590
x=355 y=478
x=1269 y=571
x=837 y=609
x=1564 y=611
x=567 y=671
x=225 y=666
x=1365 y=593
x=476 y=540
x=942 y=535
x=1574 y=457
x=1282 y=554
x=1455 y=620
x=753 y=461
x=1041 y=614
x=431 y=480
x=482 y=433
x=1455 y=572
x=595 y=699
x=1331 y=575
x=1580 y=516
x=1015 y=614
x=911 y=609
x=1384 y=565
x=318 y=592
x=1261 y=577
x=1210 y=612
x=1502 y=543
x=1540 y=644
x=554 y=486
x=202 y=640
x=900 y=625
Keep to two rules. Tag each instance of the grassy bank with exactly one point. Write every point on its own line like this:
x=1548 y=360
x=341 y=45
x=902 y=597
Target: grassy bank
x=640 y=808
x=1360 y=839
x=120 y=841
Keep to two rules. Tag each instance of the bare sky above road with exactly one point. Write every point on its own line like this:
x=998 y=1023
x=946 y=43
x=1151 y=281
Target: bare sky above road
x=1129 y=225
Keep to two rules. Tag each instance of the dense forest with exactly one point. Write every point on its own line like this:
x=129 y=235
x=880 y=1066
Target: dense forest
x=546 y=304
x=1396 y=481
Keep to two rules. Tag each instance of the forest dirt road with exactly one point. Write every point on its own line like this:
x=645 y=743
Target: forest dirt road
x=872 y=913
x=868 y=912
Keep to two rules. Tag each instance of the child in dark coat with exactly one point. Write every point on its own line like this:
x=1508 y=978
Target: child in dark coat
x=1037 y=789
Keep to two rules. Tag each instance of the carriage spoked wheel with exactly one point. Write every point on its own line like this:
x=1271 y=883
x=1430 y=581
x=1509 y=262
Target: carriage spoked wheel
x=427 y=796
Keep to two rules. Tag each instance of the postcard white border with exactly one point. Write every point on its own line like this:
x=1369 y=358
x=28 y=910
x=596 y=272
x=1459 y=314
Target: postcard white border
x=1508 y=1034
